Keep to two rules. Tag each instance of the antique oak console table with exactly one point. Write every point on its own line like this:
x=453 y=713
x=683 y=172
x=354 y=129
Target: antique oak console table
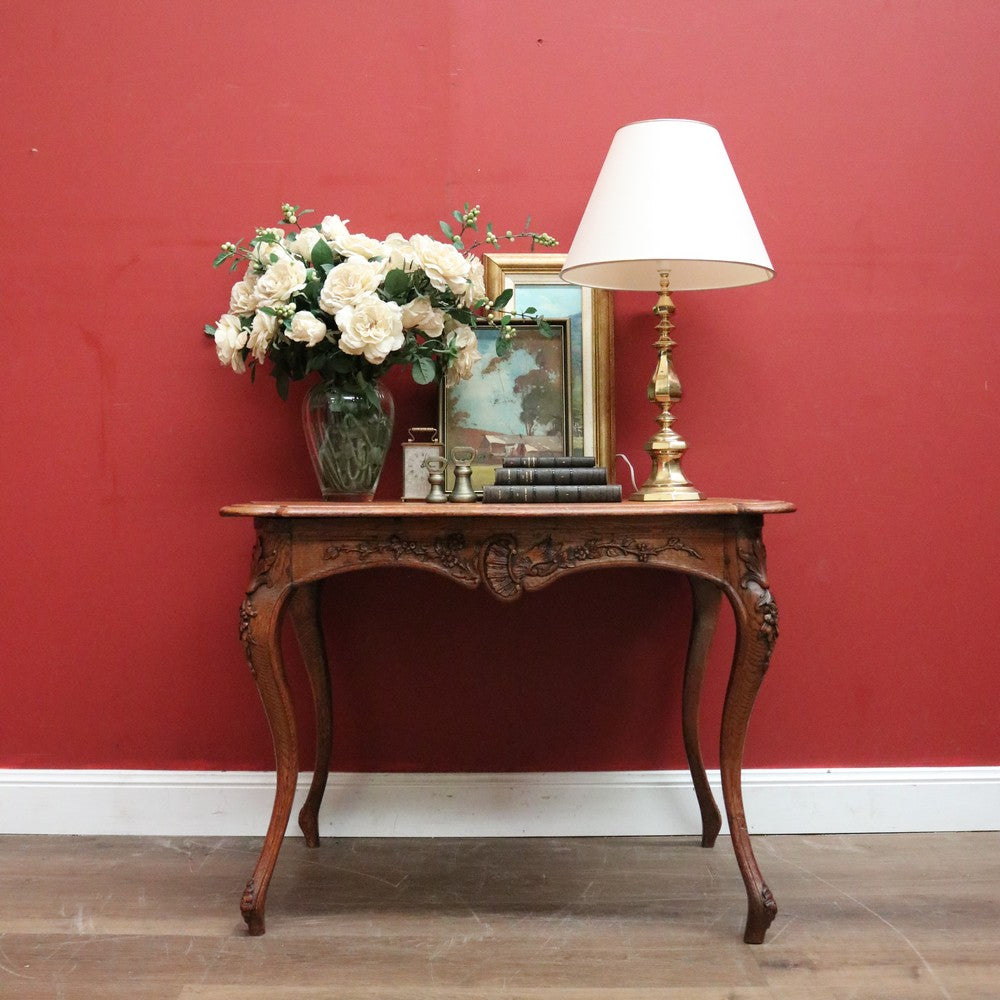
x=510 y=550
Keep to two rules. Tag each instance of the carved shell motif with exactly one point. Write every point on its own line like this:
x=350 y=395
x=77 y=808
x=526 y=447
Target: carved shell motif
x=499 y=561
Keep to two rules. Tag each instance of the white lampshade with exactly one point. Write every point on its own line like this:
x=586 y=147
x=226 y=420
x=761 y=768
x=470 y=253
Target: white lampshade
x=667 y=199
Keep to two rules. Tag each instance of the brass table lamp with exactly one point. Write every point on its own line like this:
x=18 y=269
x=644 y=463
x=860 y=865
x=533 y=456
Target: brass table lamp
x=666 y=213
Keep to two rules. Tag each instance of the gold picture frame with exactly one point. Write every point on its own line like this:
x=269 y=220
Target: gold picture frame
x=513 y=405
x=535 y=279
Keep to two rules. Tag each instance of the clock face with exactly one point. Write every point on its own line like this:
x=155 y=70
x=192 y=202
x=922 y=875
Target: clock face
x=415 y=484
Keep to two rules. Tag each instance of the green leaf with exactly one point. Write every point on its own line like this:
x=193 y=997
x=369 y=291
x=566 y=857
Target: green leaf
x=530 y=311
x=424 y=370
x=209 y=330
x=225 y=255
x=397 y=282
x=544 y=328
x=447 y=230
x=504 y=347
x=281 y=383
x=503 y=298
x=370 y=394
x=321 y=254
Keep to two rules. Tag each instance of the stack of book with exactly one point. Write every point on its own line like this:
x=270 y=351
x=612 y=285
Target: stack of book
x=552 y=479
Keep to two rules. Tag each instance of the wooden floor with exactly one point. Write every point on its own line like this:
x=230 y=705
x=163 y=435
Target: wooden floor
x=893 y=916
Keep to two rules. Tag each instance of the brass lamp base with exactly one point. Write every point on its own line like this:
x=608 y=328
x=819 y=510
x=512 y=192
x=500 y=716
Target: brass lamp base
x=666 y=482
x=673 y=485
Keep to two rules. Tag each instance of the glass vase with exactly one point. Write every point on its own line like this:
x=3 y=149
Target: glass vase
x=348 y=426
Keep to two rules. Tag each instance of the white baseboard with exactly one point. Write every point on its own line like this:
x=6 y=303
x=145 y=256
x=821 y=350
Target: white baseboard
x=607 y=803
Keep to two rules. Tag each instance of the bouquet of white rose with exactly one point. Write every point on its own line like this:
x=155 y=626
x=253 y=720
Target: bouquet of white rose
x=322 y=299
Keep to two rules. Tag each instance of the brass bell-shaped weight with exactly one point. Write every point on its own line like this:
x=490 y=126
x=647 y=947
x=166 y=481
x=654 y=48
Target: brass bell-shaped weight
x=462 y=491
x=435 y=466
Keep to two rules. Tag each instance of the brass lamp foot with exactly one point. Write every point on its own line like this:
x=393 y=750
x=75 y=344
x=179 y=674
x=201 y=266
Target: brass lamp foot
x=666 y=494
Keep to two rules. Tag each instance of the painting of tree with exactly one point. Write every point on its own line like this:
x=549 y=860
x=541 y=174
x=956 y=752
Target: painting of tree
x=516 y=401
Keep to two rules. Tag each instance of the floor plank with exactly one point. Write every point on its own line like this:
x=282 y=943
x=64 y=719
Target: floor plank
x=898 y=917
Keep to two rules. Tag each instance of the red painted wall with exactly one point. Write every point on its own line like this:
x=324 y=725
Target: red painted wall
x=861 y=383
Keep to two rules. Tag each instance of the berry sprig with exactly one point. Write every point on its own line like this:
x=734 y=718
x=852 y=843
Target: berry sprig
x=468 y=219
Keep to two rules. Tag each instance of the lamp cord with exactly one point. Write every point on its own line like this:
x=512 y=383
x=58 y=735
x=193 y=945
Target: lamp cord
x=635 y=489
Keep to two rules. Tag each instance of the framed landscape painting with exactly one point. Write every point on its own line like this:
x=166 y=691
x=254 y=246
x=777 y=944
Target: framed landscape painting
x=589 y=313
x=514 y=405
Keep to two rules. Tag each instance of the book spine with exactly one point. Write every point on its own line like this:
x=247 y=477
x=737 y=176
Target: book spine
x=552 y=494
x=549 y=462
x=552 y=477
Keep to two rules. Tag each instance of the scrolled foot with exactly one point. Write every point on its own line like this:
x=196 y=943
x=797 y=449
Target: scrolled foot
x=760 y=915
x=253 y=916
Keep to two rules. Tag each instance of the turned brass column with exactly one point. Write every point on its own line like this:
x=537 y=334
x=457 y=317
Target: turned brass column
x=666 y=480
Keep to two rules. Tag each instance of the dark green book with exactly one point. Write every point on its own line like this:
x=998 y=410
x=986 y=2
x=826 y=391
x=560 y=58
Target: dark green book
x=552 y=494
x=549 y=462
x=569 y=476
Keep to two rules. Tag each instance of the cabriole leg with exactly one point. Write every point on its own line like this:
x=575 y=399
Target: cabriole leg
x=260 y=627
x=303 y=607
x=706 y=597
x=757 y=631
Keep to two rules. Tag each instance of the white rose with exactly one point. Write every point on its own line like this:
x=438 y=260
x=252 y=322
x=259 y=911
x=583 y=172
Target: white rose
x=242 y=300
x=230 y=339
x=262 y=332
x=464 y=365
x=464 y=336
x=421 y=314
x=280 y=282
x=477 y=282
x=302 y=243
x=359 y=245
x=444 y=265
x=399 y=253
x=372 y=327
x=307 y=329
x=334 y=228
x=262 y=252
x=348 y=283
